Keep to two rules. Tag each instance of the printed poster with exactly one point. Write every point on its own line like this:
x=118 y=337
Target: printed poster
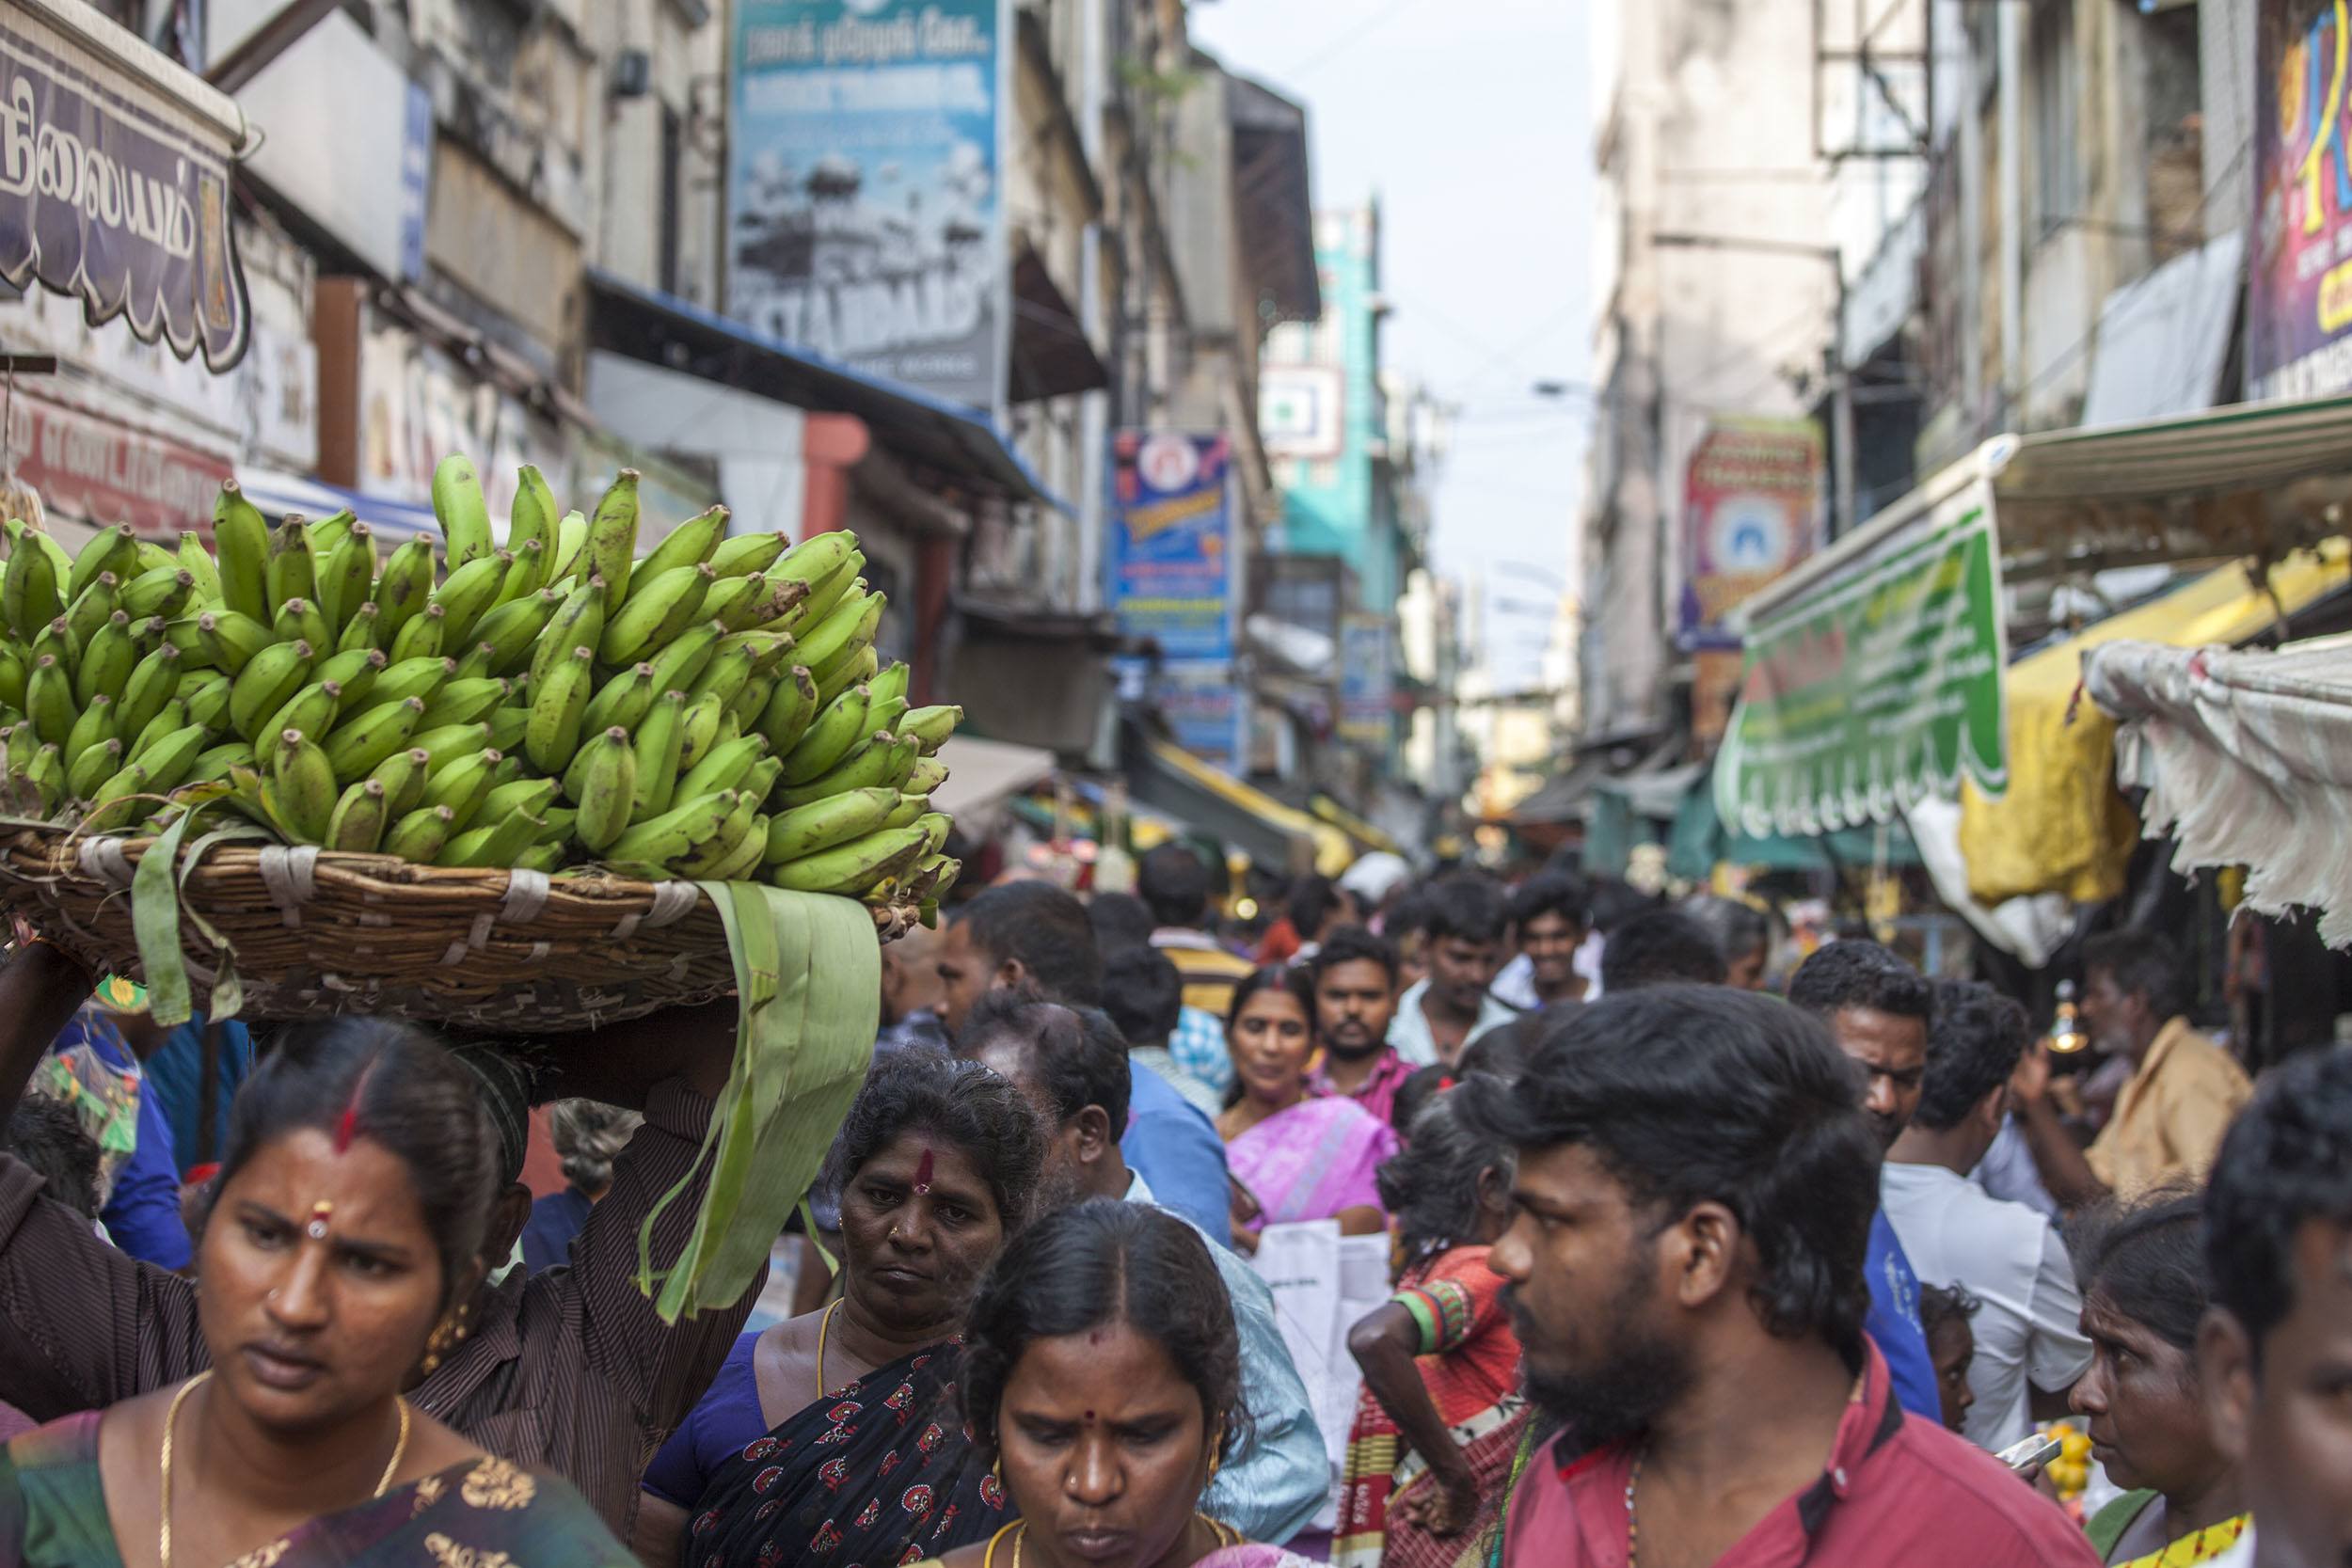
x=2299 y=295
x=865 y=192
x=1751 y=511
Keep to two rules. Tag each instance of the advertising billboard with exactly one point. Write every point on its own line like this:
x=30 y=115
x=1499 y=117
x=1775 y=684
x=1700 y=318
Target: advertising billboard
x=865 y=189
x=1751 y=509
x=2299 y=290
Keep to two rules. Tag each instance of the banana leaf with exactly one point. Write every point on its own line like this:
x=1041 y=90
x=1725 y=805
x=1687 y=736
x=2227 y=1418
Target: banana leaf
x=809 y=972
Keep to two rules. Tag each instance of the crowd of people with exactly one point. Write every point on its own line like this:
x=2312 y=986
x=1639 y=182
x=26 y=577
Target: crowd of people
x=1695 y=1254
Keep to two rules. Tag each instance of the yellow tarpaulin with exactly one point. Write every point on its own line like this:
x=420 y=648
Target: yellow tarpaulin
x=1333 y=853
x=2063 y=826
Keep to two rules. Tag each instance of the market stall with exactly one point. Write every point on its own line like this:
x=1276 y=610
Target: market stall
x=2247 y=759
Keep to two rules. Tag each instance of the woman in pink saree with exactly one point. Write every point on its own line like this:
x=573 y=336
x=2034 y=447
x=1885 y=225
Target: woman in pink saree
x=1300 y=1156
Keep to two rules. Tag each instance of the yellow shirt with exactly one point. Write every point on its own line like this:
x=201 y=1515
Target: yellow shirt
x=2170 y=1118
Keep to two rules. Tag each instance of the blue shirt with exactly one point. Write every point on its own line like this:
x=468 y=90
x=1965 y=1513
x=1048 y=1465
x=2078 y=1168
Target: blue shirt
x=1175 y=1148
x=175 y=1078
x=555 y=1220
x=142 y=1214
x=1200 y=1051
x=1280 y=1472
x=1894 y=1323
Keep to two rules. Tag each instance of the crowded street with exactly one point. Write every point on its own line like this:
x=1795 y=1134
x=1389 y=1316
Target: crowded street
x=1175 y=784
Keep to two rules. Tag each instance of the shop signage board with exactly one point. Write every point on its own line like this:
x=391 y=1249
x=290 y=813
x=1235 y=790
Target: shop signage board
x=1170 y=567
x=1364 y=679
x=98 y=471
x=114 y=187
x=1877 y=686
x=1752 y=509
x=865 y=186
x=2299 y=295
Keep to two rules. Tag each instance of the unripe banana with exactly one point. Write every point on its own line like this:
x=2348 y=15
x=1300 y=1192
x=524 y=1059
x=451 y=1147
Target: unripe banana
x=509 y=630
x=735 y=601
x=467 y=701
x=263 y=687
x=161 y=592
x=690 y=543
x=213 y=763
x=404 y=588
x=299 y=621
x=306 y=786
x=45 y=774
x=706 y=718
x=89 y=610
x=207 y=698
x=747 y=554
x=174 y=716
x=571 y=538
x=422 y=677
x=820 y=824
x=241 y=540
x=361 y=814
x=356 y=745
x=792 y=707
x=835 y=636
x=674 y=834
x=874 y=764
x=311 y=710
x=726 y=674
x=820 y=558
x=534 y=515
x=610 y=550
x=464 y=785
x=845 y=674
x=624 y=700
x=114 y=548
x=424 y=636
x=92 y=765
x=507 y=728
x=829 y=738
x=107 y=660
x=230 y=639
x=727 y=843
x=723 y=767
x=656 y=613
x=525 y=570
x=606 y=790
x=347 y=576
x=908 y=810
x=402 y=774
x=324 y=533
x=746 y=706
x=557 y=708
x=932 y=726
x=467 y=595
x=420 y=837
x=657 y=745
x=288 y=575
x=849 y=869
x=29 y=589
x=579 y=622
x=463 y=515
x=196 y=561
x=363 y=628
x=936 y=824
x=677 y=666
x=497 y=843
x=891 y=683
x=882 y=715
x=355 y=670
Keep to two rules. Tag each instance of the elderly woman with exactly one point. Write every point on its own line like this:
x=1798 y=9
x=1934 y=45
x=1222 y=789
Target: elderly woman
x=841 y=1427
x=344 y=1231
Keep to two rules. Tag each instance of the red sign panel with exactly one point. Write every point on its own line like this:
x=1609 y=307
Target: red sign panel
x=99 y=472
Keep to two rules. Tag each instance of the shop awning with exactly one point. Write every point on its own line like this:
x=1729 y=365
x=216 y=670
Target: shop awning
x=949 y=438
x=1355 y=827
x=1050 y=355
x=393 y=521
x=983 y=773
x=2247 y=758
x=2063 y=827
x=2251 y=479
x=1169 y=779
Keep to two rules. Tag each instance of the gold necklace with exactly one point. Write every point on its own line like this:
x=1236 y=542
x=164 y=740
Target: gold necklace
x=171 y=1420
x=988 y=1558
x=1222 y=1533
x=822 y=1324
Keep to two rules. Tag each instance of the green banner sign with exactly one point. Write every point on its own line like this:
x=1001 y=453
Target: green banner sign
x=1877 y=686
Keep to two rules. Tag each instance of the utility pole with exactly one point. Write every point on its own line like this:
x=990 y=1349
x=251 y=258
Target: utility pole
x=1841 y=377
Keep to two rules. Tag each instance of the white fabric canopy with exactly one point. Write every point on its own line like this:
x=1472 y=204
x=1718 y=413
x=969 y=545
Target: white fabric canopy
x=2247 y=758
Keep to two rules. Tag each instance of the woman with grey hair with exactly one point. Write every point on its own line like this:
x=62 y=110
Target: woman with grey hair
x=1743 y=931
x=588 y=1137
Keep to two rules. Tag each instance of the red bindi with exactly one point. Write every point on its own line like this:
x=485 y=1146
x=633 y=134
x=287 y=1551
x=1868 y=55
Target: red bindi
x=922 y=1172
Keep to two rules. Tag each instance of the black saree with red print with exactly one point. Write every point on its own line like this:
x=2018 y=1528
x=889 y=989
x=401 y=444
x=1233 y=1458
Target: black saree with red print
x=882 y=1474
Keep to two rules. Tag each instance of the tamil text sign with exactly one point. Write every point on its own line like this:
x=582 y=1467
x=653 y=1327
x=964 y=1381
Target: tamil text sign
x=1751 y=509
x=2299 y=296
x=115 y=192
x=865 y=204
x=1878 y=686
x=1170 y=565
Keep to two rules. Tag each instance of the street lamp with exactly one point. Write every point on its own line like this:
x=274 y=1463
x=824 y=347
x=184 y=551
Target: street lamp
x=1841 y=383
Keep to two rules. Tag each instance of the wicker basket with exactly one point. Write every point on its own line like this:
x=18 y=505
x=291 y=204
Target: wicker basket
x=317 y=933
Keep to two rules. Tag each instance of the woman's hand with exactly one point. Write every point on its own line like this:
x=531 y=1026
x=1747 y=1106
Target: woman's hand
x=1447 y=1504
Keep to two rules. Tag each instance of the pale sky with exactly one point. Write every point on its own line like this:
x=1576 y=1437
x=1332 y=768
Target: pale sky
x=1470 y=120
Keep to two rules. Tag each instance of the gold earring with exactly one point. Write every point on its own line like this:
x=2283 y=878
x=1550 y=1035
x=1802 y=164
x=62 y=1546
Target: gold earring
x=436 y=1345
x=996 y=1469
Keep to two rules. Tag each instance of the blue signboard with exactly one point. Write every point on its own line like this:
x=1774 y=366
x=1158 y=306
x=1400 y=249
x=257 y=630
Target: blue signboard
x=864 y=188
x=1170 y=548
